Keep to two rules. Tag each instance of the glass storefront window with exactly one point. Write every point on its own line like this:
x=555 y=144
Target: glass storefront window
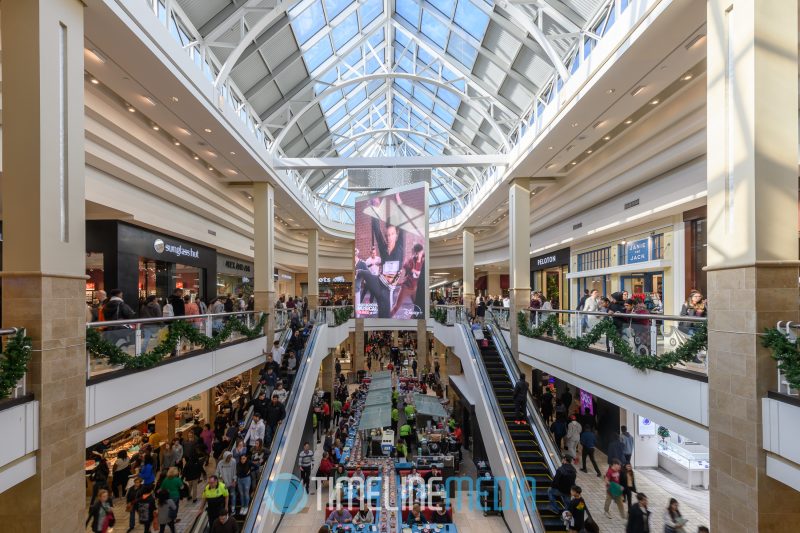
x=94 y=271
x=162 y=278
x=595 y=259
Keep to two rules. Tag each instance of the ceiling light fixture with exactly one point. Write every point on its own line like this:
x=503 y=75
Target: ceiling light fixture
x=195 y=158
x=131 y=109
x=176 y=143
x=210 y=168
x=687 y=77
x=599 y=124
x=232 y=172
x=549 y=147
x=610 y=91
x=574 y=163
x=155 y=127
x=174 y=98
x=149 y=100
x=589 y=151
x=233 y=153
x=185 y=131
x=574 y=124
x=629 y=121
x=208 y=130
x=637 y=90
x=655 y=102
x=94 y=55
x=607 y=138
x=94 y=81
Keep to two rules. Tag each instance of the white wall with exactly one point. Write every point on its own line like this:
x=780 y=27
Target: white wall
x=676 y=402
x=781 y=427
x=19 y=440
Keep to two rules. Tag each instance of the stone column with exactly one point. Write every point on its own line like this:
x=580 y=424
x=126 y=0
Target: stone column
x=313 y=269
x=468 y=269
x=422 y=345
x=327 y=373
x=493 y=284
x=165 y=424
x=264 y=245
x=752 y=247
x=44 y=263
x=519 y=243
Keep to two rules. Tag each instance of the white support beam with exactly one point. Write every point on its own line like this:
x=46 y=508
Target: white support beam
x=305 y=163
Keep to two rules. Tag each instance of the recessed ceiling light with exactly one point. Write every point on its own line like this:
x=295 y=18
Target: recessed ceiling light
x=174 y=98
x=233 y=153
x=574 y=163
x=155 y=127
x=210 y=153
x=250 y=196
x=687 y=77
x=589 y=151
x=610 y=91
x=654 y=102
x=196 y=158
x=208 y=130
x=552 y=165
x=231 y=171
x=599 y=124
x=149 y=100
x=694 y=42
x=574 y=124
x=94 y=55
x=607 y=138
x=185 y=131
x=176 y=143
x=210 y=168
x=94 y=81
x=549 y=147
x=637 y=90
x=629 y=121
x=131 y=109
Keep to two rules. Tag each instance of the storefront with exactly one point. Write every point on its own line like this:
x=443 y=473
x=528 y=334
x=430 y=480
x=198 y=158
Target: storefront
x=234 y=276
x=142 y=262
x=285 y=282
x=549 y=276
x=333 y=286
x=640 y=264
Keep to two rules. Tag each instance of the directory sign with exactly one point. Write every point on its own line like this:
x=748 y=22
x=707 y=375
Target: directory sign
x=391 y=242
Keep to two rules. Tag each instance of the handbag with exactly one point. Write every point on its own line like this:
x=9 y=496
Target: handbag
x=109 y=521
x=615 y=489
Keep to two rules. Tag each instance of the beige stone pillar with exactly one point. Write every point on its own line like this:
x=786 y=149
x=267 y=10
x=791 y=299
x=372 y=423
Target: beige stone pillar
x=519 y=243
x=327 y=372
x=44 y=263
x=422 y=345
x=165 y=424
x=313 y=269
x=468 y=269
x=493 y=284
x=752 y=248
x=264 y=254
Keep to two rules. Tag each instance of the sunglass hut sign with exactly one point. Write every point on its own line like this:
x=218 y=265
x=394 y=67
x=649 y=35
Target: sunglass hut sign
x=175 y=249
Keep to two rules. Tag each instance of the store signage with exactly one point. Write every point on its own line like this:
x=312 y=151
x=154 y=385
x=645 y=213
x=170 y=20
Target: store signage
x=557 y=258
x=337 y=279
x=235 y=265
x=587 y=401
x=286 y=277
x=646 y=426
x=160 y=246
x=638 y=251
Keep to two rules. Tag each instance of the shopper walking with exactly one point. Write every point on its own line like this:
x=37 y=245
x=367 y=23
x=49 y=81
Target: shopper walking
x=121 y=472
x=306 y=462
x=256 y=430
x=588 y=444
x=101 y=477
x=101 y=514
x=226 y=472
x=520 y=397
x=573 y=436
x=627 y=444
x=167 y=511
x=192 y=472
x=639 y=517
x=146 y=508
x=613 y=489
x=215 y=499
x=562 y=483
x=576 y=510
x=131 y=499
x=172 y=484
x=628 y=481
x=674 y=522
x=244 y=471
x=275 y=413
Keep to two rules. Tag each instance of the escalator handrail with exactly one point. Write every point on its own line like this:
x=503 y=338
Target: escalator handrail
x=535 y=420
x=535 y=523
x=280 y=436
x=201 y=521
x=554 y=454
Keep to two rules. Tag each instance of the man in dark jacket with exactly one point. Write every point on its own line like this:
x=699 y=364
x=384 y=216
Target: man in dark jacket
x=520 y=396
x=275 y=413
x=260 y=404
x=562 y=484
x=616 y=448
x=639 y=516
x=176 y=300
x=116 y=309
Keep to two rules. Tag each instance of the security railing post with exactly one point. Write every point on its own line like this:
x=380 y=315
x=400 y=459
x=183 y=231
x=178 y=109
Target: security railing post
x=137 y=340
x=653 y=337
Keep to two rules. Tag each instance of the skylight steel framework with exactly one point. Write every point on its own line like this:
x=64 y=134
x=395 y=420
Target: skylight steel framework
x=388 y=77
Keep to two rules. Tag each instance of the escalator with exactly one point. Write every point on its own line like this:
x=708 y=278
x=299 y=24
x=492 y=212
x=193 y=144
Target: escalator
x=536 y=462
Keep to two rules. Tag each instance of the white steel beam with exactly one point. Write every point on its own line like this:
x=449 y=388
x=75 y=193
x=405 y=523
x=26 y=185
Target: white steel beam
x=469 y=160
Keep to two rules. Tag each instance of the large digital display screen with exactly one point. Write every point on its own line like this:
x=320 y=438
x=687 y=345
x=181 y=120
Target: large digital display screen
x=391 y=243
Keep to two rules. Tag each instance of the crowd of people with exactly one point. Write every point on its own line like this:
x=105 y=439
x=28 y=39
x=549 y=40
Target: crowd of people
x=218 y=462
x=574 y=431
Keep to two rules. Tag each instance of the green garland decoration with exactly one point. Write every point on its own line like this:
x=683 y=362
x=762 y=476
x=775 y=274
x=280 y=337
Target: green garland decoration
x=686 y=352
x=342 y=315
x=785 y=352
x=14 y=362
x=102 y=348
x=439 y=315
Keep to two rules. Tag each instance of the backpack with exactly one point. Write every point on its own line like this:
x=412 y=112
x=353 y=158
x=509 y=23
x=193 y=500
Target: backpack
x=143 y=510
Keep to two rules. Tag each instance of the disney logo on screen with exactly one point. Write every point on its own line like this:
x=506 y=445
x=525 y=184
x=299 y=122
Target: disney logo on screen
x=177 y=249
